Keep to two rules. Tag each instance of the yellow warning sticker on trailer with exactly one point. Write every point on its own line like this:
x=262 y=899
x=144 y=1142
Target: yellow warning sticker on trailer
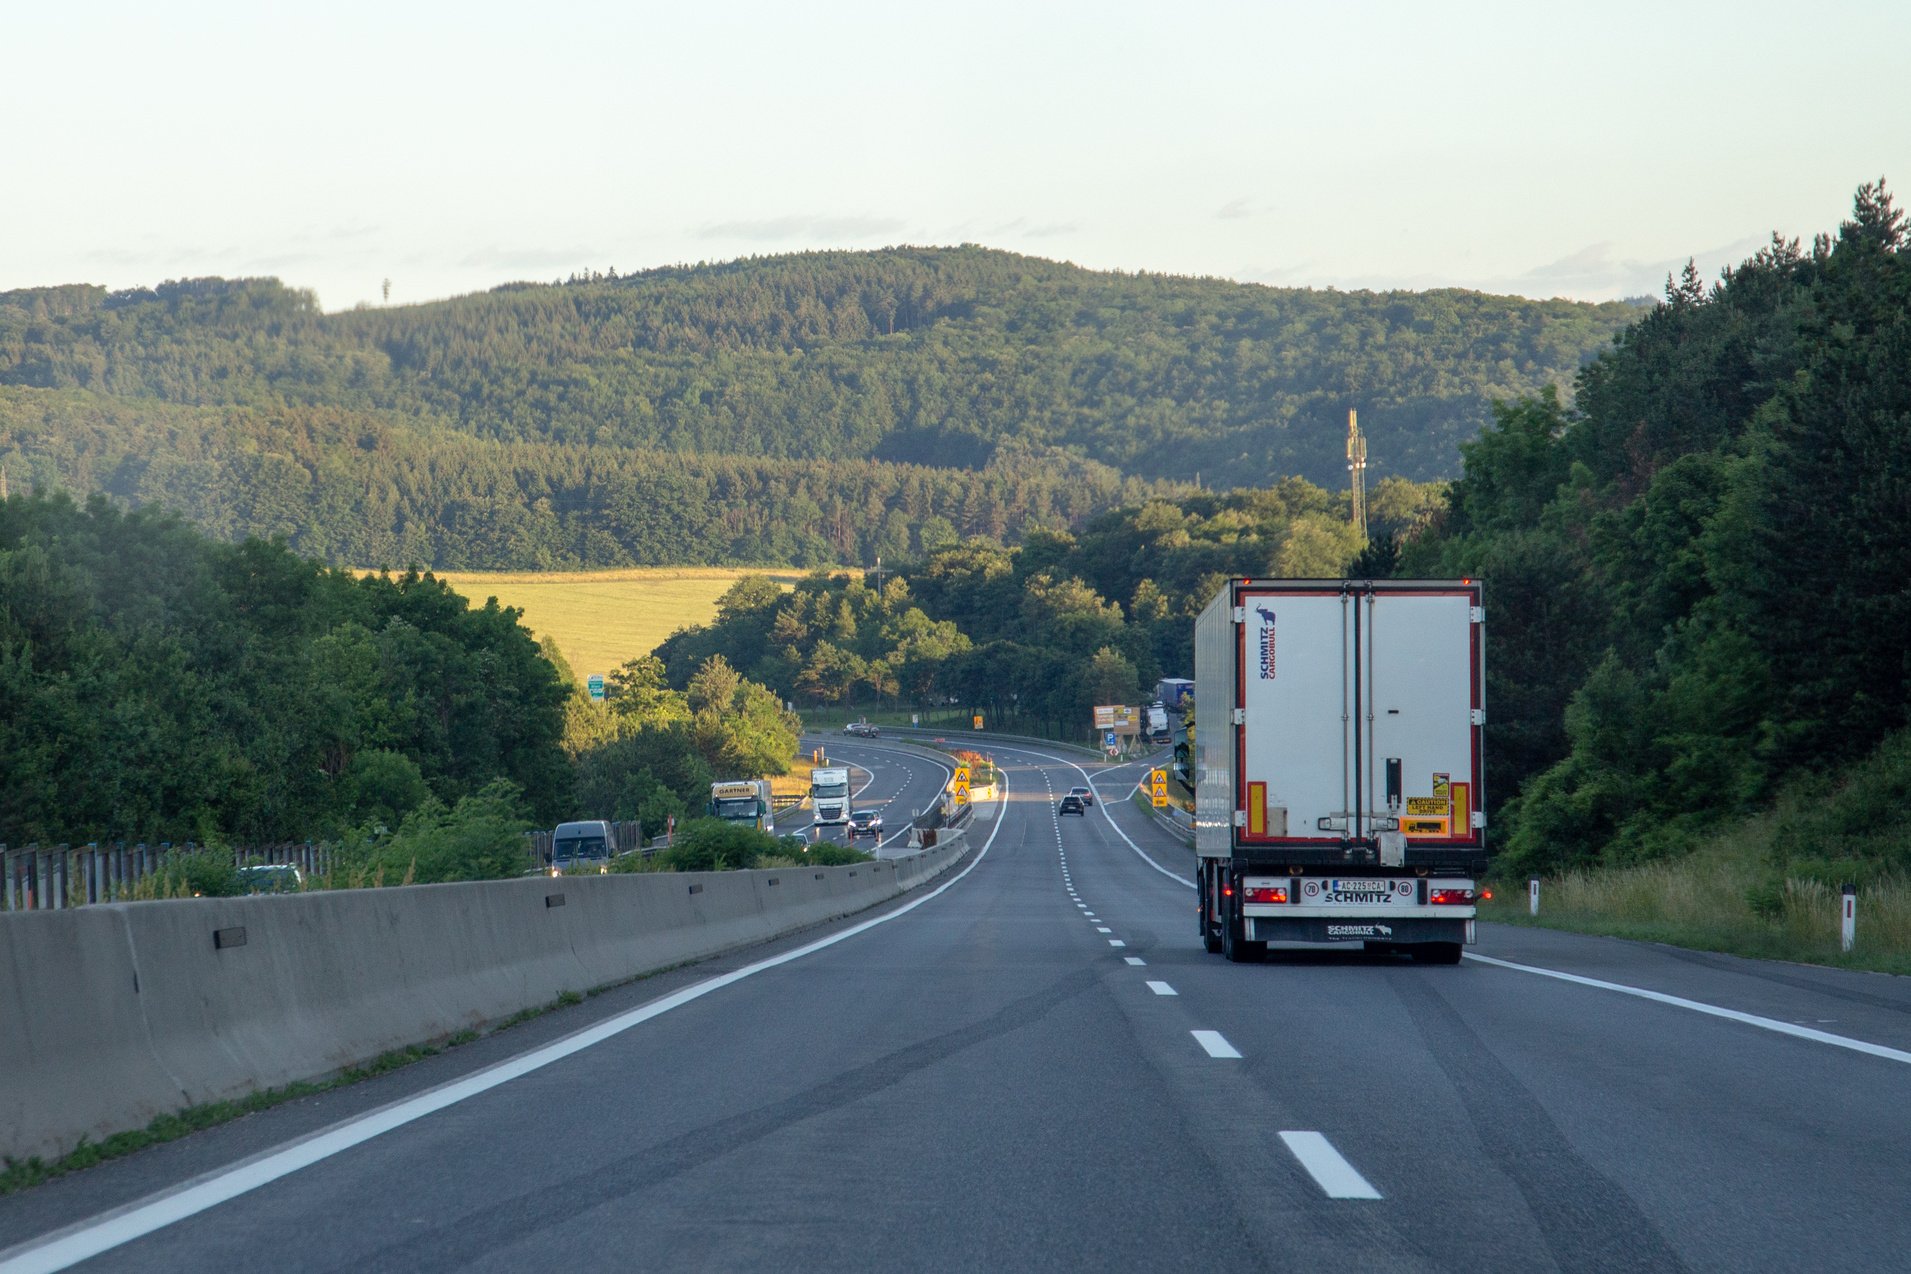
x=1427 y=807
x=1424 y=826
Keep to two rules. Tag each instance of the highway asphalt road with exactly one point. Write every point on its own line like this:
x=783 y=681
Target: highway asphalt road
x=896 y=778
x=1037 y=1066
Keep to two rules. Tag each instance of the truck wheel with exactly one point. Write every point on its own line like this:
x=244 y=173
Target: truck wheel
x=1210 y=935
x=1436 y=953
x=1234 y=943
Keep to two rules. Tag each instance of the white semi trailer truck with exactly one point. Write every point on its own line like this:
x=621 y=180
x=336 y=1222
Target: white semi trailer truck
x=829 y=795
x=1338 y=796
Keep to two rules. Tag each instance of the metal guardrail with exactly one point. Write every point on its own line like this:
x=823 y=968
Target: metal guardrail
x=953 y=736
x=54 y=877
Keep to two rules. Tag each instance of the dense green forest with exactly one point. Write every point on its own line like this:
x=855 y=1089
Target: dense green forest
x=157 y=684
x=1699 y=576
x=824 y=407
x=1043 y=631
x=352 y=488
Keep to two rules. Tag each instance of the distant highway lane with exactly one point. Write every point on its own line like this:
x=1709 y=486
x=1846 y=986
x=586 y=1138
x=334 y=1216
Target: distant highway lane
x=1036 y=1065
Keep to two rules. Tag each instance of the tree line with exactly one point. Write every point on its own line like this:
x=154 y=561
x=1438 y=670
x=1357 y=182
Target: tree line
x=1697 y=572
x=1040 y=631
x=355 y=488
x=845 y=383
x=157 y=684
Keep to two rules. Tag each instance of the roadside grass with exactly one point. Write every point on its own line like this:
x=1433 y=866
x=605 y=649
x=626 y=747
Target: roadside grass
x=1724 y=897
x=600 y=619
x=22 y=1174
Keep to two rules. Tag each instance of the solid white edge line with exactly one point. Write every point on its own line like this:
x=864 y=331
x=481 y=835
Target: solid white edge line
x=94 y=1235
x=1733 y=1015
x=1162 y=988
x=1103 y=807
x=1710 y=1010
x=1328 y=1167
x=1215 y=1043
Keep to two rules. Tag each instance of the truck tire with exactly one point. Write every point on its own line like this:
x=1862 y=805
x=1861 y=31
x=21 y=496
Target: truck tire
x=1436 y=952
x=1210 y=933
x=1234 y=943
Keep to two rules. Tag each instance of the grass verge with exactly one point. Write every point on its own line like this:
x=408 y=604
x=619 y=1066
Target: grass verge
x=1726 y=898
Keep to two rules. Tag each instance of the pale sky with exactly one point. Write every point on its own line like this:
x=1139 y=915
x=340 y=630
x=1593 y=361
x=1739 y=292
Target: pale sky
x=1577 y=150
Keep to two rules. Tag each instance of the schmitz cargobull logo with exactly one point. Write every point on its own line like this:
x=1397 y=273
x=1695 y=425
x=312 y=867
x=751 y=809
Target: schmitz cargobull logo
x=1360 y=931
x=1267 y=642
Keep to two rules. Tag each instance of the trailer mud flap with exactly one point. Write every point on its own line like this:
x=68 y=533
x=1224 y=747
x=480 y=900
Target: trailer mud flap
x=1354 y=929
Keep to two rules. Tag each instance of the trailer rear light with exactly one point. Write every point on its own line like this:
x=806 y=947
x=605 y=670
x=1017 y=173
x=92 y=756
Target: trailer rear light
x=1450 y=897
x=1486 y=895
x=1267 y=894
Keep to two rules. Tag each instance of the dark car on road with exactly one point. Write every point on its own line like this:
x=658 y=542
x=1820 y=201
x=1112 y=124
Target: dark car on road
x=865 y=823
x=1087 y=794
x=1071 y=804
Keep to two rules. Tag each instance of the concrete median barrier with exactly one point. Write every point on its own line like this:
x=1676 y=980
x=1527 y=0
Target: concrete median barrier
x=113 y=1014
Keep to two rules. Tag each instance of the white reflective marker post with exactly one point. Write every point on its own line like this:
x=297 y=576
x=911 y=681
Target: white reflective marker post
x=1851 y=915
x=1532 y=896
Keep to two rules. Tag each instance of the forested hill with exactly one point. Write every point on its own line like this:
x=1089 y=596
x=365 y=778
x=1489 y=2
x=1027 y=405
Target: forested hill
x=898 y=363
x=1697 y=575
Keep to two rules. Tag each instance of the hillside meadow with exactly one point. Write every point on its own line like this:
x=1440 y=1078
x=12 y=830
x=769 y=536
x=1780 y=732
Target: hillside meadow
x=599 y=619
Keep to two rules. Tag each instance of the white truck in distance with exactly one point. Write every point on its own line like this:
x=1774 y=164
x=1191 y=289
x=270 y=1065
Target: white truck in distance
x=829 y=795
x=1338 y=789
x=742 y=801
x=1156 y=716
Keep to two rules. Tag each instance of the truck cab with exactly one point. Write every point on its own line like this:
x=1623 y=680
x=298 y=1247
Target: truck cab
x=742 y=801
x=829 y=795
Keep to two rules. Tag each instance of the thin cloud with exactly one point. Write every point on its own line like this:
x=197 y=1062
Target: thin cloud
x=1589 y=273
x=811 y=227
x=1594 y=271
x=494 y=257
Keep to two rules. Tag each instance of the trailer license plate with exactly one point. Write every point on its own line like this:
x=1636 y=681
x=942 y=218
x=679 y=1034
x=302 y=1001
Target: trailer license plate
x=1357 y=893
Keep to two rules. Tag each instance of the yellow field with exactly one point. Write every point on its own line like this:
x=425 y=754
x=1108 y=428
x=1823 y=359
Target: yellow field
x=602 y=618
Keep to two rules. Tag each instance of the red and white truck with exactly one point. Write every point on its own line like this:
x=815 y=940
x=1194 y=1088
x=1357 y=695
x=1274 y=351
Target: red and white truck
x=1338 y=795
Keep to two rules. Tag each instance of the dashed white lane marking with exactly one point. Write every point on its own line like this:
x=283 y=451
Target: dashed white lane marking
x=1106 y=929
x=1330 y=1171
x=1216 y=1044
x=1137 y=961
x=1116 y=942
x=1162 y=988
x=1050 y=756
x=1711 y=1010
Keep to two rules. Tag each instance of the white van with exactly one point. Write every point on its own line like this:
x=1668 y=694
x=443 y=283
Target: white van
x=582 y=848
